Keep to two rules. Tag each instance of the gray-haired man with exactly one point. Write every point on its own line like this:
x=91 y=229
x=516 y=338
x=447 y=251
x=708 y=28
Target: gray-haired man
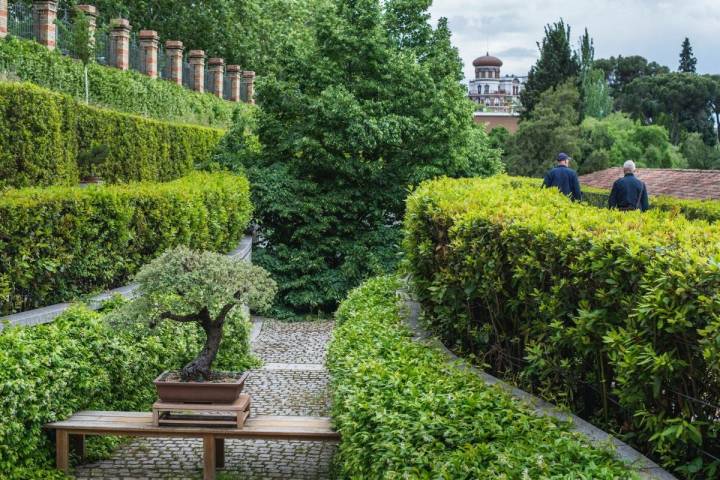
x=629 y=193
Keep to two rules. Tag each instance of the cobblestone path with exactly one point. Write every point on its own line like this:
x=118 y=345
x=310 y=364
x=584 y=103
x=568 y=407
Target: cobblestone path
x=292 y=381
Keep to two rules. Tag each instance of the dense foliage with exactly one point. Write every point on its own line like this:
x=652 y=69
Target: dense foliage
x=50 y=139
x=615 y=314
x=594 y=144
x=343 y=131
x=191 y=286
x=557 y=63
x=60 y=242
x=130 y=91
x=83 y=362
x=403 y=412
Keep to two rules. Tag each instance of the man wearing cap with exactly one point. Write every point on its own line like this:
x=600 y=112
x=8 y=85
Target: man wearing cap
x=564 y=178
x=629 y=193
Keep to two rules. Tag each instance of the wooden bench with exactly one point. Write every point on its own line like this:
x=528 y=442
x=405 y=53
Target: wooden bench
x=70 y=433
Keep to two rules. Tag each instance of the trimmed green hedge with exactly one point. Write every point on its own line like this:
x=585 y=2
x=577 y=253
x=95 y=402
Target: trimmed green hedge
x=615 y=314
x=82 y=362
x=44 y=137
x=58 y=243
x=130 y=91
x=403 y=412
x=708 y=210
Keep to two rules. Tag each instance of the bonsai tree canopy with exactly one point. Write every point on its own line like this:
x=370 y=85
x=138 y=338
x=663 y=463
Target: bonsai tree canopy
x=184 y=285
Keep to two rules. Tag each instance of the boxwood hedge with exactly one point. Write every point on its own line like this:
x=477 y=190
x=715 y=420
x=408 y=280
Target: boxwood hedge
x=129 y=91
x=616 y=314
x=83 y=362
x=50 y=139
x=403 y=412
x=61 y=242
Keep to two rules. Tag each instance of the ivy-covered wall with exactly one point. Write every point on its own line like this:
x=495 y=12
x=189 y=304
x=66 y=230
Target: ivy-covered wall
x=59 y=243
x=129 y=91
x=48 y=138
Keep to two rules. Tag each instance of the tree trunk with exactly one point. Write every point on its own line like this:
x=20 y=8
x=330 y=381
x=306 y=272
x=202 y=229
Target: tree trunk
x=199 y=369
x=87 y=86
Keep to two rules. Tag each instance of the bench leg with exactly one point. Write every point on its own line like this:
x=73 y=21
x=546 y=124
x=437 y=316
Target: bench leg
x=62 y=451
x=219 y=453
x=77 y=446
x=209 y=457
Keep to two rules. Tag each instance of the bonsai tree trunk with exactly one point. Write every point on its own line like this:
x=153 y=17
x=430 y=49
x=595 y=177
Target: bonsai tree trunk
x=199 y=369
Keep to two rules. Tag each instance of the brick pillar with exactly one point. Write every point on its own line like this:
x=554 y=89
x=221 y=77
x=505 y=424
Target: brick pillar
x=120 y=38
x=149 y=42
x=249 y=78
x=197 y=60
x=234 y=72
x=174 y=52
x=91 y=13
x=3 y=18
x=44 y=28
x=217 y=69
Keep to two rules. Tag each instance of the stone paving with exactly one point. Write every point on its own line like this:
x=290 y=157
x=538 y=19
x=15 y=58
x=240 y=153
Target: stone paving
x=293 y=381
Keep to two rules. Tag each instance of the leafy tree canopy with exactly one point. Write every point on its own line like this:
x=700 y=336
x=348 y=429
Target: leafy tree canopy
x=621 y=71
x=688 y=62
x=374 y=107
x=556 y=64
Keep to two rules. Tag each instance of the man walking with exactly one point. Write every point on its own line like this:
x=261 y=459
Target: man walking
x=564 y=178
x=629 y=193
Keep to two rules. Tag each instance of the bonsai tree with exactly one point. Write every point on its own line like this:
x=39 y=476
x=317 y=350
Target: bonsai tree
x=184 y=285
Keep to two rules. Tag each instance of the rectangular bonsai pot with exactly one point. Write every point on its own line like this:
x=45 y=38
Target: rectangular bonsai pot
x=199 y=392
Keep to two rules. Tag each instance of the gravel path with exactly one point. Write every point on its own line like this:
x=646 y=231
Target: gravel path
x=293 y=381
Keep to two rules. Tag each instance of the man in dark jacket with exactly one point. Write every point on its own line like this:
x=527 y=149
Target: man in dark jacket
x=629 y=193
x=564 y=179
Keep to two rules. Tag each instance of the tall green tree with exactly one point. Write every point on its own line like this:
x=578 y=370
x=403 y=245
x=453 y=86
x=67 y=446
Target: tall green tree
x=82 y=45
x=556 y=64
x=621 y=71
x=681 y=102
x=688 y=61
x=594 y=89
x=373 y=107
x=551 y=128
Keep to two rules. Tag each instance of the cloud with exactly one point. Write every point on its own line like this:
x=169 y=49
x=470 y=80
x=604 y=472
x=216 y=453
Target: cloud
x=654 y=29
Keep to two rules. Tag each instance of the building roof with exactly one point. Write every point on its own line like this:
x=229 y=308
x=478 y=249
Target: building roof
x=487 y=61
x=691 y=184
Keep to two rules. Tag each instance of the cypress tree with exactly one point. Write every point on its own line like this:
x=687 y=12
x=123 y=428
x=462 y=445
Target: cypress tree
x=687 y=59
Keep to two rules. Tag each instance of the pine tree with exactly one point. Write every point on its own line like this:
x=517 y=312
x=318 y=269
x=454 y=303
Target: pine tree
x=687 y=59
x=557 y=63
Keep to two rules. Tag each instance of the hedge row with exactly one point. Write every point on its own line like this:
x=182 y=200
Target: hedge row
x=50 y=139
x=402 y=412
x=81 y=362
x=708 y=210
x=58 y=243
x=616 y=314
x=129 y=91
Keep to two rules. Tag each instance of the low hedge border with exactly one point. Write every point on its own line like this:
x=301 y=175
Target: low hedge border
x=60 y=243
x=47 y=138
x=614 y=314
x=82 y=362
x=126 y=91
x=403 y=412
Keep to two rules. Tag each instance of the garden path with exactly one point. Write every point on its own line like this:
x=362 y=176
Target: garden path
x=292 y=381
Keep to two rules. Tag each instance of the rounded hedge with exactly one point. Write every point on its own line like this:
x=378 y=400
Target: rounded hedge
x=62 y=242
x=615 y=314
x=403 y=412
x=48 y=139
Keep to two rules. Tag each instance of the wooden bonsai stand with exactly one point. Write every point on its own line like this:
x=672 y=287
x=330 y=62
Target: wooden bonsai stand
x=232 y=415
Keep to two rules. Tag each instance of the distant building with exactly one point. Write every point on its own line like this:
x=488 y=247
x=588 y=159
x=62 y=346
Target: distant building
x=492 y=92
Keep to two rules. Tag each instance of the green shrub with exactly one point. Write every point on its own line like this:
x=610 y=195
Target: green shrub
x=130 y=91
x=82 y=362
x=403 y=412
x=60 y=242
x=45 y=139
x=615 y=314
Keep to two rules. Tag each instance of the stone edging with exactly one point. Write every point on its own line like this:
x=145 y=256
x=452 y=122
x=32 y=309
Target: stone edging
x=646 y=468
x=49 y=314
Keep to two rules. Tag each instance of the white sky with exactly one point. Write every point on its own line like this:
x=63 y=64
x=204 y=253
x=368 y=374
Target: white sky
x=510 y=29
